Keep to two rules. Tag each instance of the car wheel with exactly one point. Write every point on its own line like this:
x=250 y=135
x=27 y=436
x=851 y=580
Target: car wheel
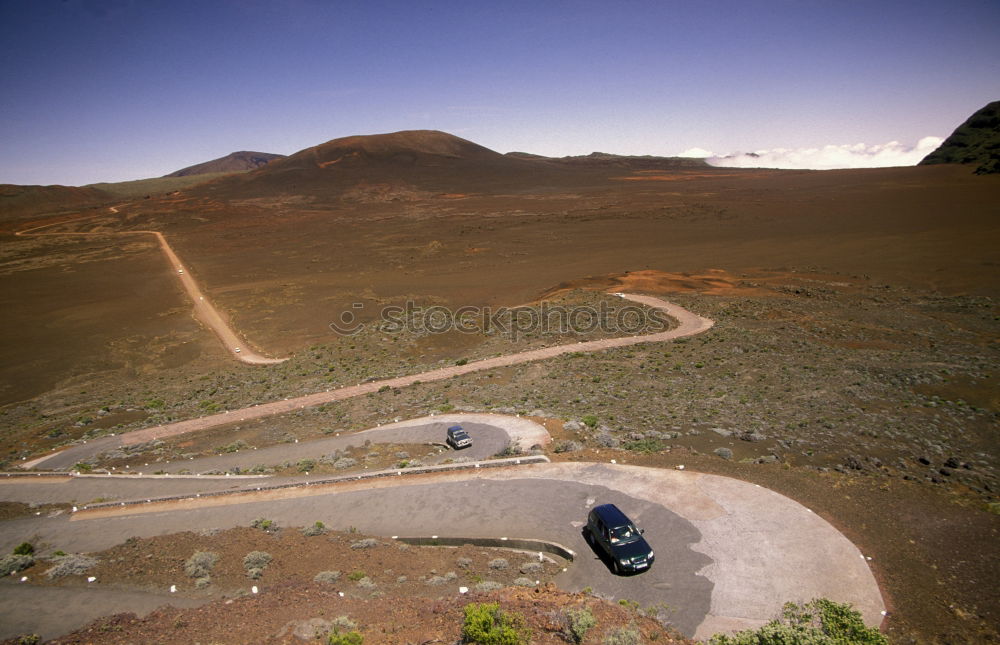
x=617 y=567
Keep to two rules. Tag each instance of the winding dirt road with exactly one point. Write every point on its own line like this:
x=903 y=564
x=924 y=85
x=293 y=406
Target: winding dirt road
x=689 y=324
x=204 y=311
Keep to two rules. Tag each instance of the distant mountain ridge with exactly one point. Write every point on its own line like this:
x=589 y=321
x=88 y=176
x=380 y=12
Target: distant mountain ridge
x=631 y=162
x=233 y=162
x=409 y=160
x=977 y=141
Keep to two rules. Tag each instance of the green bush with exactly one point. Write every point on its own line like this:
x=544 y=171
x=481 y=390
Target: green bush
x=24 y=548
x=264 y=524
x=316 y=529
x=578 y=623
x=486 y=624
x=350 y=638
x=590 y=420
x=819 y=622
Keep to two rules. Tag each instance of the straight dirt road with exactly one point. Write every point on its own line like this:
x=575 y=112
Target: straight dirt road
x=204 y=311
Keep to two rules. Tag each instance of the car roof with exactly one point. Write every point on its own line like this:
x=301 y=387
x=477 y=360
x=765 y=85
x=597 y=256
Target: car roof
x=611 y=514
x=456 y=428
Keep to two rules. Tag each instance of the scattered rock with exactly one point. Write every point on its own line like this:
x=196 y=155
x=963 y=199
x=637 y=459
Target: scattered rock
x=854 y=462
x=725 y=453
x=607 y=440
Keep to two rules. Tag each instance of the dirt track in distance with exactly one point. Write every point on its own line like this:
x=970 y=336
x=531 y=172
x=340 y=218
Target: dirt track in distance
x=689 y=324
x=204 y=310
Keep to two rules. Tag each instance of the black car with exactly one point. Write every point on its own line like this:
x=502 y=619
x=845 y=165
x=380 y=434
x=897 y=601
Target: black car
x=613 y=533
x=458 y=438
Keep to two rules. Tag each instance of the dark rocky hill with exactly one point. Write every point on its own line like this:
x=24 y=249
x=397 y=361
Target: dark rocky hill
x=975 y=142
x=233 y=162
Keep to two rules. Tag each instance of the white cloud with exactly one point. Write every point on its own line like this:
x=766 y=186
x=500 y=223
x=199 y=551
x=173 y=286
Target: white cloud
x=858 y=155
x=696 y=152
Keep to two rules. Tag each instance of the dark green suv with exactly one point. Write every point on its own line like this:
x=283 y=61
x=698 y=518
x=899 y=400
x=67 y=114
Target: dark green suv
x=613 y=533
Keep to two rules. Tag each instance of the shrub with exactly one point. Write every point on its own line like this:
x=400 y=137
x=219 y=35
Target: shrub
x=24 y=548
x=200 y=564
x=306 y=465
x=567 y=446
x=531 y=567
x=499 y=564
x=462 y=361
x=235 y=446
x=255 y=562
x=524 y=582
x=464 y=563
x=354 y=576
x=578 y=623
x=343 y=622
x=486 y=624
x=367 y=543
x=512 y=449
x=350 y=638
x=329 y=577
x=202 y=582
x=316 y=529
x=264 y=524
x=367 y=584
x=71 y=565
x=589 y=420
x=345 y=462
x=488 y=585
x=623 y=636
x=15 y=562
x=819 y=622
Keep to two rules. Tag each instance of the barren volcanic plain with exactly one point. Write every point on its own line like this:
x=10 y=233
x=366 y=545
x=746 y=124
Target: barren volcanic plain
x=853 y=366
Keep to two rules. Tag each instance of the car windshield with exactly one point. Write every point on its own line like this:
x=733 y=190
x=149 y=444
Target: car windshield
x=624 y=534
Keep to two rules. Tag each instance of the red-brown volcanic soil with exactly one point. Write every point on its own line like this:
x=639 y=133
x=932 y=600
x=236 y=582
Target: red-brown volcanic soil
x=856 y=312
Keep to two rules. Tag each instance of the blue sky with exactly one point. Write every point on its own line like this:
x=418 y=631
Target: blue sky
x=123 y=89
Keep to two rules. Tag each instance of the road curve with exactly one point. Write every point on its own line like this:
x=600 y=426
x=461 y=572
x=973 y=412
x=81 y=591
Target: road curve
x=689 y=324
x=729 y=553
x=204 y=310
